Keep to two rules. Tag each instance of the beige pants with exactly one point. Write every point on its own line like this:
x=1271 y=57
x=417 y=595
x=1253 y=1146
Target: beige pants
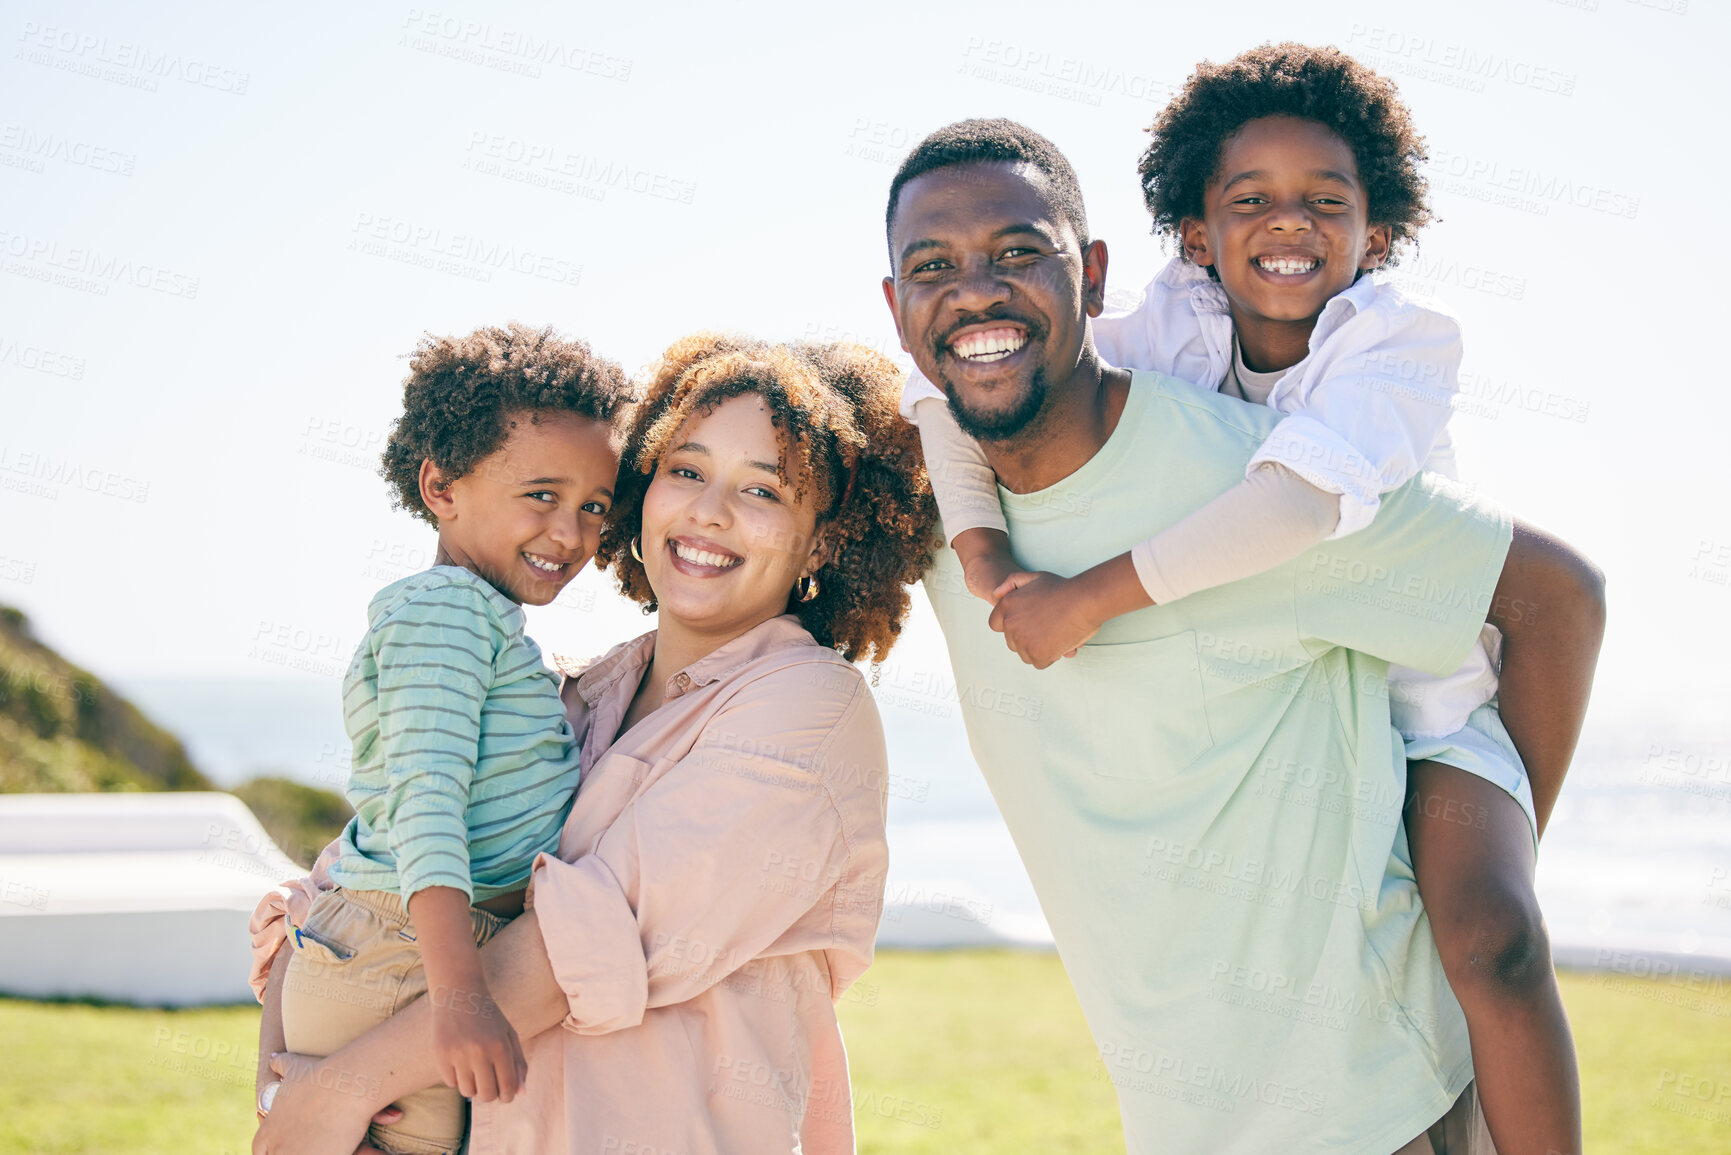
x=1460 y=1132
x=355 y=964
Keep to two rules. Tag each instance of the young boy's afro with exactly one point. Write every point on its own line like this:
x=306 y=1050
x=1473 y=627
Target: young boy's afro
x=1320 y=84
x=462 y=394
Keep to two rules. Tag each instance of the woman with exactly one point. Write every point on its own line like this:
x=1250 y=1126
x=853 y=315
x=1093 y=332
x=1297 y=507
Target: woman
x=720 y=878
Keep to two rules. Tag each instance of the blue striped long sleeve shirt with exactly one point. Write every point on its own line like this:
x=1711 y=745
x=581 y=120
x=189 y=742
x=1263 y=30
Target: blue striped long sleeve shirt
x=464 y=764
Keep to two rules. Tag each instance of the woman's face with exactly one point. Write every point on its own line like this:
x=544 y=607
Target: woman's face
x=724 y=539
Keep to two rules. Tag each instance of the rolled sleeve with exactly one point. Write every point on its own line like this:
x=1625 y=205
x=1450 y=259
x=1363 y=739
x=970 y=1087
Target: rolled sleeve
x=1372 y=403
x=282 y=907
x=1325 y=459
x=593 y=944
x=765 y=838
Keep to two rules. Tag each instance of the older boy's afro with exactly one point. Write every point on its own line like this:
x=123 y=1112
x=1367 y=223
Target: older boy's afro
x=1320 y=84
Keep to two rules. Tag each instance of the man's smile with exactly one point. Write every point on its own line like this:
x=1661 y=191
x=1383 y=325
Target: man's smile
x=988 y=344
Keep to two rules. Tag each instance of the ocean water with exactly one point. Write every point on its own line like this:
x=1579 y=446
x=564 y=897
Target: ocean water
x=1636 y=863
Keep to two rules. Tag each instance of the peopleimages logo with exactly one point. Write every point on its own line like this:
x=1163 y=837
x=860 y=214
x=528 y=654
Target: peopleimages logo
x=458 y=253
x=1456 y=65
x=122 y=61
x=89 y=269
x=505 y=49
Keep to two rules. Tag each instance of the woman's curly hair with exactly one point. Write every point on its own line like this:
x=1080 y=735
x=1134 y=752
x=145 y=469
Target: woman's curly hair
x=835 y=408
x=461 y=393
x=1321 y=84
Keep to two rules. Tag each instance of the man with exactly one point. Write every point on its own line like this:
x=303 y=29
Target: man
x=1208 y=796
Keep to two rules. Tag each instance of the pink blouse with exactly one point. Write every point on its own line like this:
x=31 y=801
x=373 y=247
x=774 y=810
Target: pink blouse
x=718 y=887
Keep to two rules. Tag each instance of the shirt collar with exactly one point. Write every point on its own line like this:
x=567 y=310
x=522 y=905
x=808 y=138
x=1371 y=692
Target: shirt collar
x=624 y=664
x=1356 y=296
x=1206 y=295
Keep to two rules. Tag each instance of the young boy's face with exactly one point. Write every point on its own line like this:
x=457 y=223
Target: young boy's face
x=528 y=516
x=1285 y=220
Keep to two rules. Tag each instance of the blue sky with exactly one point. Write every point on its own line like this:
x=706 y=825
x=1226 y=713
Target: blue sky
x=222 y=227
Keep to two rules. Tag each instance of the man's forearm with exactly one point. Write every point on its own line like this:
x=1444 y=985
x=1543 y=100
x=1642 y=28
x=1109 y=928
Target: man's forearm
x=1550 y=607
x=398 y=1052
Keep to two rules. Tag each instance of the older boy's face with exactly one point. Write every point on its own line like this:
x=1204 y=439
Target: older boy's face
x=1285 y=222
x=989 y=292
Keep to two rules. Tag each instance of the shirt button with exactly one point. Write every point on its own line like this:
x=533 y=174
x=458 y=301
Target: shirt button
x=682 y=680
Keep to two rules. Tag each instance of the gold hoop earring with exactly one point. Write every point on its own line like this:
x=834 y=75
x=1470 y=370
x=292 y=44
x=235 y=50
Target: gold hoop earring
x=807 y=588
x=635 y=553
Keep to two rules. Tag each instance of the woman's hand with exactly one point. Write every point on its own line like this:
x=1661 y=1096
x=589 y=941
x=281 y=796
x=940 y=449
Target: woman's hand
x=318 y=1110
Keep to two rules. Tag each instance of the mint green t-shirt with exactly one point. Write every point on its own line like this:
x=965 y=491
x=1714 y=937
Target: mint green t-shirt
x=1208 y=796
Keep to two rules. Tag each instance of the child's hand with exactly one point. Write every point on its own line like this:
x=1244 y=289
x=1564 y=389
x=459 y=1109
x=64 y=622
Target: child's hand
x=986 y=561
x=478 y=1052
x=1042 y=617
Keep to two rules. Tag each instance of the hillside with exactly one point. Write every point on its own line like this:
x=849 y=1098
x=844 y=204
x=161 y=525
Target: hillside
x=63 y=731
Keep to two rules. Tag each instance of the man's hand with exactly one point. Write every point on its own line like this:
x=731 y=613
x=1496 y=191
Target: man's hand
x=478 y=1052
x=1042 y=617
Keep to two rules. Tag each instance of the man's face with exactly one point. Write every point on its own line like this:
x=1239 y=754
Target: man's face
x=991 y=291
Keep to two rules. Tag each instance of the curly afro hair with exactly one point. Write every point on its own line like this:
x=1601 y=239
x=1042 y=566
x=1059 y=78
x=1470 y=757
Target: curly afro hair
x=1321 y=84
x=462 y=392
x=835 y=407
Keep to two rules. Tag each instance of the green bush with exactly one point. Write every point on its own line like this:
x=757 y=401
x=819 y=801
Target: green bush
x=300 y=819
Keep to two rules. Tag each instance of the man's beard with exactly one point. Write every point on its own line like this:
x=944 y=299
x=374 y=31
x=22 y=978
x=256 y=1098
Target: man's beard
x=1003 y=424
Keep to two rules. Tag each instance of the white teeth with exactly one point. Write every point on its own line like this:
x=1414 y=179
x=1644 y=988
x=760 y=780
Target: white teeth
x=993 y=345
x=704 y=557
x=1287 y=266
x=542 y=564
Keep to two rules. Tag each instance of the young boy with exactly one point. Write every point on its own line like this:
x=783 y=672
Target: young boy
x=1287 y=174
x=464 y=764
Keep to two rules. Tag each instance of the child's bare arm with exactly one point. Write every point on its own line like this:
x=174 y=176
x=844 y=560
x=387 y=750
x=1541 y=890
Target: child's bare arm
x=478 y=1052
x=1550 y=607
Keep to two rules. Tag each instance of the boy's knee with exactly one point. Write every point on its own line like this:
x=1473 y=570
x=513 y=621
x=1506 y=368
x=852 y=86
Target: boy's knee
x=1498 y=944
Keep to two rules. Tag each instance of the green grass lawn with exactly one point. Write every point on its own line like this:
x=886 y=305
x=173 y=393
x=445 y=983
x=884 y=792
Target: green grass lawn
x=964 y=1051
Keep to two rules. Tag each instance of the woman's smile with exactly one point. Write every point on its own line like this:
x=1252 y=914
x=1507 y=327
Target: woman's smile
x=700 y=557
